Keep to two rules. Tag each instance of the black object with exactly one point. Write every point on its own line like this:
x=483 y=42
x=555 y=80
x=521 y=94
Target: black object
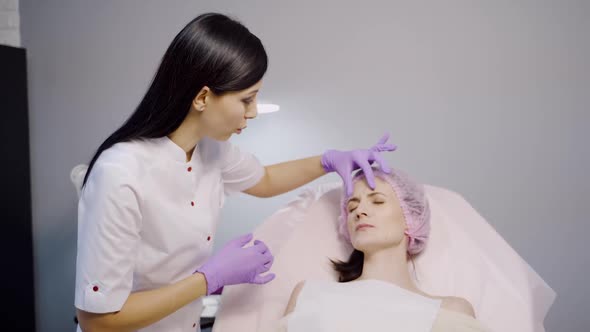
x=18 y=292
x=207 y=322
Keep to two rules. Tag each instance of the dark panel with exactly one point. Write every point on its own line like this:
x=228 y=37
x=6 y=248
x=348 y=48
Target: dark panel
x=15 y=194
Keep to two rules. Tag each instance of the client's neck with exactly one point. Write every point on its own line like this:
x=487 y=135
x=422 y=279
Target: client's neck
x=389 y=265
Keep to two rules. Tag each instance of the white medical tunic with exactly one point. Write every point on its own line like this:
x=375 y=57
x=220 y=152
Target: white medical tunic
x=147 y=217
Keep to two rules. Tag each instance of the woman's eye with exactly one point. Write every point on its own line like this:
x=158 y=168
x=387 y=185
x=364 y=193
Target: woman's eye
x=351 y=209
x=378 y=202
x=247 y=101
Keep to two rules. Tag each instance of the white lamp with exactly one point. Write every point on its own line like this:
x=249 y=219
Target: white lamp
x=267 y=108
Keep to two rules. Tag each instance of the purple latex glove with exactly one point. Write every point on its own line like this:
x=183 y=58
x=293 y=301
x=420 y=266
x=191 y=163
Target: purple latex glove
x=217 y=292
x=345 y=162
x=236 y=264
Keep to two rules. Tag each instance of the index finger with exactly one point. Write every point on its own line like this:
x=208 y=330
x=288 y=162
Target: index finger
x=383 y=139
x=368 y=171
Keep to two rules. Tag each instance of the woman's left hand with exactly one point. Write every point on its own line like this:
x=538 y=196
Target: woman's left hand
x=345 y=162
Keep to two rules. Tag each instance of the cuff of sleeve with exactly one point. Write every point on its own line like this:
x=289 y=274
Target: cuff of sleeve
x=245 y=183
x=212 y=285
x=96 y=298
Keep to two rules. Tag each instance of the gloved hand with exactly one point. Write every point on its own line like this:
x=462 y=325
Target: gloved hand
x=236 y=264
x=345 y=162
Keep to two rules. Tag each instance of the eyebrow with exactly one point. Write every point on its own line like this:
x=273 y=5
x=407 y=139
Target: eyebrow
x=355 y=199
x=253 y=92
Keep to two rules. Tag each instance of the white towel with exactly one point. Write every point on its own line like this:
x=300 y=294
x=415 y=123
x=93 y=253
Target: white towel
x=366 y=305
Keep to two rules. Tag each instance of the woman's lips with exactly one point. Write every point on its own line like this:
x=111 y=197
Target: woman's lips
x=363 y=226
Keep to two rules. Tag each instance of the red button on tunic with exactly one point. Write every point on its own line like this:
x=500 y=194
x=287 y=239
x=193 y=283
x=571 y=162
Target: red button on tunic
x=208 y=238
x=95 y=288
x=192 y=203
x=189 y=169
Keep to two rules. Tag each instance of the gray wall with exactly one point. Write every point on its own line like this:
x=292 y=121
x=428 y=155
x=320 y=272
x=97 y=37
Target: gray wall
x=9 y=23
x=489 y=99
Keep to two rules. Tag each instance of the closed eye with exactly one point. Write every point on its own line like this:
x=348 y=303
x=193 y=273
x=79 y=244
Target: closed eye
x=352 y=208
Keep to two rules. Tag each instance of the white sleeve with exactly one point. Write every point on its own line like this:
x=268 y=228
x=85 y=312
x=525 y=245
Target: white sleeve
x=109 y=222
x=240 y=170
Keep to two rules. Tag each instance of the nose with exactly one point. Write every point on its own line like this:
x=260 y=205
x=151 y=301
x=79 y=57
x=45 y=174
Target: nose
x=361 y=211
x=251 y=112
x=361 y=214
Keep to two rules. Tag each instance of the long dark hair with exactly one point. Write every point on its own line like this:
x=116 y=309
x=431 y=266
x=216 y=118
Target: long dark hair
x=212 y=50
x=353 y=268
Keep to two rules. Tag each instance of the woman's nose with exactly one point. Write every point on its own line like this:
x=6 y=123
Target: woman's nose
x=361 y=211
x=252 y=112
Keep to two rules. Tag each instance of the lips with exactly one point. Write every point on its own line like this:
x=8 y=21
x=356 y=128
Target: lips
x=363 y=226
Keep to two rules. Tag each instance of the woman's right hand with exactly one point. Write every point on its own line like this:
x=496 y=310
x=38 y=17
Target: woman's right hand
x=236 y=264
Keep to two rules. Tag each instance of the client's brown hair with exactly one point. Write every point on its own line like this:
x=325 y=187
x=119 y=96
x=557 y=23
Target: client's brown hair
x=352 y=269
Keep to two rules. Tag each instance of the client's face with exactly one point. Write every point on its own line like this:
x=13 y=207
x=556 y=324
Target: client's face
x=375 y=218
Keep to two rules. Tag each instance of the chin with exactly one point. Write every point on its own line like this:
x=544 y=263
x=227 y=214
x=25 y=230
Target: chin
x=364 y=245
x=368 y=245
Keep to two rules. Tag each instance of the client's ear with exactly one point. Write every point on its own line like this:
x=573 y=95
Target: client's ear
x=200 y=100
